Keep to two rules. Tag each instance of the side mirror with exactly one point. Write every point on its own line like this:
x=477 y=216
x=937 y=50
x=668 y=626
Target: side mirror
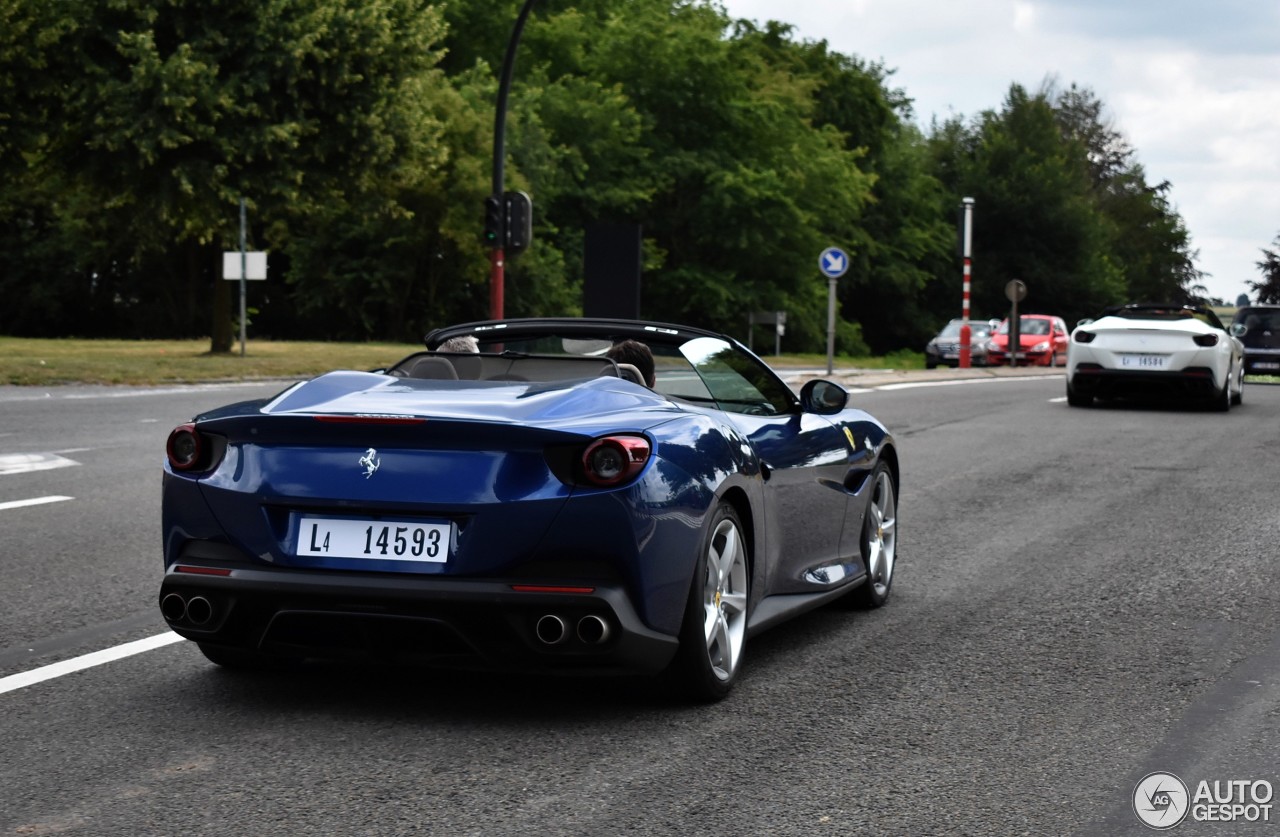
x=1084 y=322
x=1238 y=329
x=823 y=397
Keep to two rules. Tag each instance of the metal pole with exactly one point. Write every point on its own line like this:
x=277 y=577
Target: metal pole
x=244 y=273
x=966 y=334
x=497 y=259
x=831 y=324
x=1015 y=334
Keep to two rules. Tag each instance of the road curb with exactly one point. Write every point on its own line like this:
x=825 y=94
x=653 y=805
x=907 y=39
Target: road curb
x=866 y=378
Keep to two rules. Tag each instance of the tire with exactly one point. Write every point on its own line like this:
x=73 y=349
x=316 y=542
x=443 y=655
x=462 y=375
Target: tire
x=879 y=541
x=1238 y=398
x=1076 y=400
x=714 y=634
x=1222 y=401
x=930 y=364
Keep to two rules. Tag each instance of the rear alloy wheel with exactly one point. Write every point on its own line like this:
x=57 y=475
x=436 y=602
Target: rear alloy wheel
x=879 y=541
x=714 y=632
x=1238 y=398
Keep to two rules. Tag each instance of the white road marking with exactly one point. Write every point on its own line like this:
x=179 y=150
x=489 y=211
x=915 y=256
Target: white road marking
x=21 y=463
x=1058 y=400
x=34 y=501
x=97 y=658
x=964 y=381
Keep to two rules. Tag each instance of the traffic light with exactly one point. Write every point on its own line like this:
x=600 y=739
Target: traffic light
x=519 y=226
x=494 y=229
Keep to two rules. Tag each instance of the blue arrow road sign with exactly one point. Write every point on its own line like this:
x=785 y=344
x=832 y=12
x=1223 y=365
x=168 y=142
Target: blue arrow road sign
x=833 y=262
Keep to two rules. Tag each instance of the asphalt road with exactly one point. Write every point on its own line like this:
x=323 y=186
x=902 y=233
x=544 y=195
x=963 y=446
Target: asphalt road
x=1083 y=597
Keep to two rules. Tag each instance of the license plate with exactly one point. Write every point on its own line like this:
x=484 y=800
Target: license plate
x=953 y=356
x=1265 y=364
x=382 y=540
x=1144 y=361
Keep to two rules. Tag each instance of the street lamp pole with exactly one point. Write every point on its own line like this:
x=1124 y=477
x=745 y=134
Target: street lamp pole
x=497 y=256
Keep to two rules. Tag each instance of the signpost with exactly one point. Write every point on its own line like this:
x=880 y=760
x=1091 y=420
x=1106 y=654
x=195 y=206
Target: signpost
x=244 y=266
x=833 y=262
x=1016 y=291
x=777 y=319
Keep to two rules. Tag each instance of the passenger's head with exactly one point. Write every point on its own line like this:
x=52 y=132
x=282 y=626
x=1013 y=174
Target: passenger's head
x=461 y=343
x=635 y=353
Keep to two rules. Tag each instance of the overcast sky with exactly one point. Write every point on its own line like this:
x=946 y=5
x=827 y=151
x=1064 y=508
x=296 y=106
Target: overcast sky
x=1192 y=85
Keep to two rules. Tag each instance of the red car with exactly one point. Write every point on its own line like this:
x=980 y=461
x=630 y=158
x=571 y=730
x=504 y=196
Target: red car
x=1042 y=338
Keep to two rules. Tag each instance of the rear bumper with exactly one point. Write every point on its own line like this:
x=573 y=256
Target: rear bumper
x=486 y=624
x=1024 y=358
x=1262 y=361
x=1195 y=383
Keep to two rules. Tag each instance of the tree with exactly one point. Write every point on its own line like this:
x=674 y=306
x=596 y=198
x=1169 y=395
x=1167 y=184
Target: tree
x=901 y=238
x=1268 y=290
x=736 y=190
x=178 y=108
x=1035 y=219
x=1149 y=241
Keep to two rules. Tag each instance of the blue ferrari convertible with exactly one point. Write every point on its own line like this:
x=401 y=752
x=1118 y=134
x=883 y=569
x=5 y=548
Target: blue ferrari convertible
x=538 y=504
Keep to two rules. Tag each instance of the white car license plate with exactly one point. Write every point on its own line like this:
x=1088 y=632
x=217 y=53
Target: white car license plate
x=1266 y=364
x=1144 y=361
x=390 y=540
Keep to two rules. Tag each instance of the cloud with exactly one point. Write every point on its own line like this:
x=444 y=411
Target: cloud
x=1193 y=86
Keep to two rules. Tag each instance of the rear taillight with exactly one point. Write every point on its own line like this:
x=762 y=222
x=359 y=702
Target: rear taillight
x=185 y=448
x=1083 y=336
x=611 y=460
x=1206 y=339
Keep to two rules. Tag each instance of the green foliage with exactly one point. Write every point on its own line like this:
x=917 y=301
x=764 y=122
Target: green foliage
x=360 y=131
x=1060 y=205
x=1268 y=290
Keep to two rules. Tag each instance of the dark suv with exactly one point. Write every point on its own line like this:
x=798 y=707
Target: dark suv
x=1258 y=327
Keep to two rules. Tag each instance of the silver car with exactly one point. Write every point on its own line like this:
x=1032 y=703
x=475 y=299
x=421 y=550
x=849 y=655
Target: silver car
x=944 y=349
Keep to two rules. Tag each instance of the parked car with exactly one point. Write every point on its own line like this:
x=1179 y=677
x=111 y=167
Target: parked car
x=1258 y=327
x=528 y=508
x=944 y=348
x=1175 y=351
x=1042 y=338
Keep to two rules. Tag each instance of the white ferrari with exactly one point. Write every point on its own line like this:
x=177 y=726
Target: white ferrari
x=1155 y=351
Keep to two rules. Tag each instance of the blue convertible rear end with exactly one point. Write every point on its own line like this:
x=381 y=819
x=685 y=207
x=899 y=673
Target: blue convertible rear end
x=517 y=510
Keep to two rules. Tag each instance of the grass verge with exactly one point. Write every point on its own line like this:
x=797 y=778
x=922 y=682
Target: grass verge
x=38 y=362
x=41 y=362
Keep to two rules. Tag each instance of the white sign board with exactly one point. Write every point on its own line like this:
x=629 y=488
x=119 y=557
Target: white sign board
x=255 y=265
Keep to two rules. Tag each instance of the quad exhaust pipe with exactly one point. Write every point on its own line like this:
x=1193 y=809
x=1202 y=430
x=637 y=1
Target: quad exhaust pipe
x=197 y=610
x=590 y=630
x=593 y=630
x=173 y=607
